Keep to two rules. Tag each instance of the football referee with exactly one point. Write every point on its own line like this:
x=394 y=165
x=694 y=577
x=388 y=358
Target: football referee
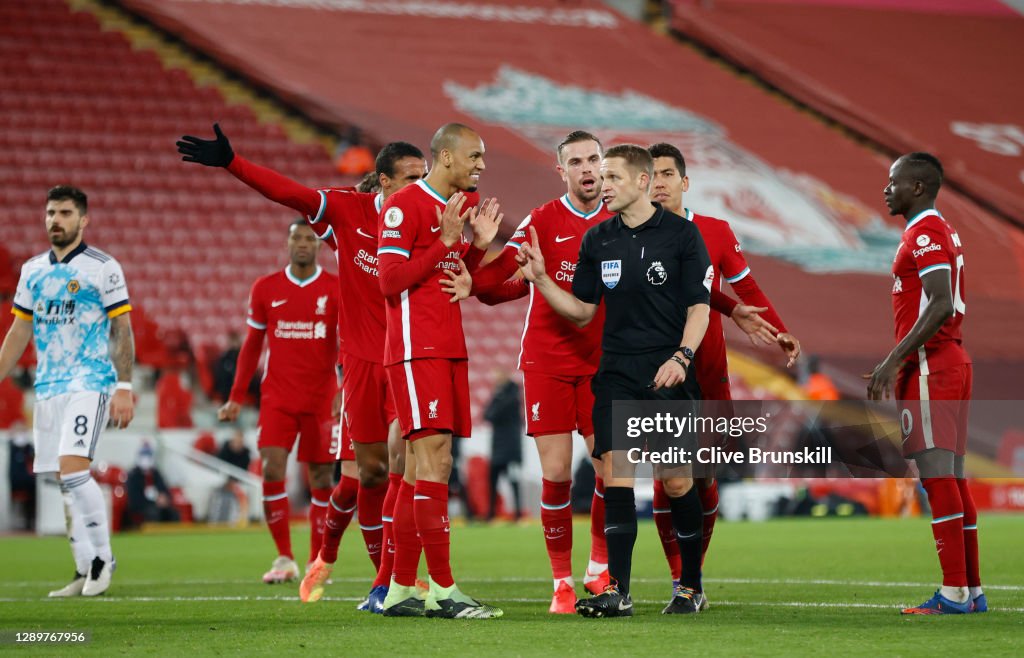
x=653 y=272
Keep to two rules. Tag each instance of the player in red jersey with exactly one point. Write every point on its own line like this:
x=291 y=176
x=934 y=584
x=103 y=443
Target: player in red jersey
x=347 y=221
x=559 y=359
x=667 y=188
x=931 y=371
x=296 y=311
x=425 y=357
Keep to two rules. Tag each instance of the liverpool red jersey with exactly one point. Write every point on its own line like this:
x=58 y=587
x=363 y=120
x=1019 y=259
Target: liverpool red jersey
x=347 y=222
x=729 y=265
x=421 y=321
x=300 y=320
x=929 y=243
x=551 y=344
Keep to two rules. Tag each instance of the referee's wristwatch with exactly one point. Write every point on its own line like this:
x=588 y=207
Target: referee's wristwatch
x=687 y=354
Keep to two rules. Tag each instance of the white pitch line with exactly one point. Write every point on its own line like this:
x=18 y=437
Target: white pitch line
x=287 y=599
x=513 y=579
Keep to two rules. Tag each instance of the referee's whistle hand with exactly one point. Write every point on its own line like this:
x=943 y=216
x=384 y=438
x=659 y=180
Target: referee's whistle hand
x=669 y=374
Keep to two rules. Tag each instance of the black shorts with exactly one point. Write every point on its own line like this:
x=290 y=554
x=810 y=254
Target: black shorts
x=628 y=377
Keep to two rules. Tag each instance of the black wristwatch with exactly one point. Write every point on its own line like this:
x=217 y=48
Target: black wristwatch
x=686 y=352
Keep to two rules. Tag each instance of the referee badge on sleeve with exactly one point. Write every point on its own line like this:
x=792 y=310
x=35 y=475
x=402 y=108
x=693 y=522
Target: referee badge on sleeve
x=611 y=272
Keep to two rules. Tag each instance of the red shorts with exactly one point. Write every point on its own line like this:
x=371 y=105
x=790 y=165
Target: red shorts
x=278 y=428
x=557 y=404
x=340 y=438
x=432 y=394
x=934 y=408
x=367 y=405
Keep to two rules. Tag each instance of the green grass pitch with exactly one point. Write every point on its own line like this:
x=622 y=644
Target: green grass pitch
x=785 y=587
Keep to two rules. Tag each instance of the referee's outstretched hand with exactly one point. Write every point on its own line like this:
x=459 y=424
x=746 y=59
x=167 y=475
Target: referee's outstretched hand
x=214 y=152
x=530 y=259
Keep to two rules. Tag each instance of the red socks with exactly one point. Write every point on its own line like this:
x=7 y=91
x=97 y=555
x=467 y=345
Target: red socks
x=387 y=556
x=275 y=511
x=371 y=503
x=407 y=542
x=666 y=531
x=317 y=516
x=709 y=503
x=948 y=528
x=339 y=514
x=970 y=535
x=431 y=510
x=598 y=544
x=556 y=521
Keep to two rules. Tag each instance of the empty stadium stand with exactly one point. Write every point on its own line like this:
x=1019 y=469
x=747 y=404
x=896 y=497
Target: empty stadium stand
x=82 y=106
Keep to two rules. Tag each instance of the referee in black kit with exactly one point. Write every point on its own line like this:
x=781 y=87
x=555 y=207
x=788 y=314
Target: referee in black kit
x=652 y=270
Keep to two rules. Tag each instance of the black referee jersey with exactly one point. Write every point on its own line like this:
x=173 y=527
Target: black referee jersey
x=648 y=276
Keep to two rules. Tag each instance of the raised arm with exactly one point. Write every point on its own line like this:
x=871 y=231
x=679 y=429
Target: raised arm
x=217 y=152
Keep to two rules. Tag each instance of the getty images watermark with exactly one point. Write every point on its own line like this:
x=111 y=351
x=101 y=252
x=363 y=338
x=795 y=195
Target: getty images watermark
x=666 y=424
x=783 y=439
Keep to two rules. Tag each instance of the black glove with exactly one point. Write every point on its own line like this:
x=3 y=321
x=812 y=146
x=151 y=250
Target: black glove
x=210 y=152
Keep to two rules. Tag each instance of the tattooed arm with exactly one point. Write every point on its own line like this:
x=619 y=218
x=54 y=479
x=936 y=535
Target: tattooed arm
x=122 y=353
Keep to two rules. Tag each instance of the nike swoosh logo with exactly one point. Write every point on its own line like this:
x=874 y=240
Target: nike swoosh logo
x=559 y=238
x=689 y=536
x=365 y=235
x=625 y=606
x=608 y=242
x=278 y=302
x=435 y=229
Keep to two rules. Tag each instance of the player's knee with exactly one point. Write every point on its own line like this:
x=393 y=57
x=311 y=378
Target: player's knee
x=557 y=472
x=373 y=473
x=677 y=486
x=436 y=466
x=396 y=462
x=320 y=476
x=273 y=469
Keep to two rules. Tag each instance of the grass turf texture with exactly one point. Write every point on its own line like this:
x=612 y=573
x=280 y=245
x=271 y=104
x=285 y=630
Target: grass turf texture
x=803 y=587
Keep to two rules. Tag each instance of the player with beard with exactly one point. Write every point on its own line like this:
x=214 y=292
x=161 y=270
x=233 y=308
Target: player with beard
x=73 y=301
